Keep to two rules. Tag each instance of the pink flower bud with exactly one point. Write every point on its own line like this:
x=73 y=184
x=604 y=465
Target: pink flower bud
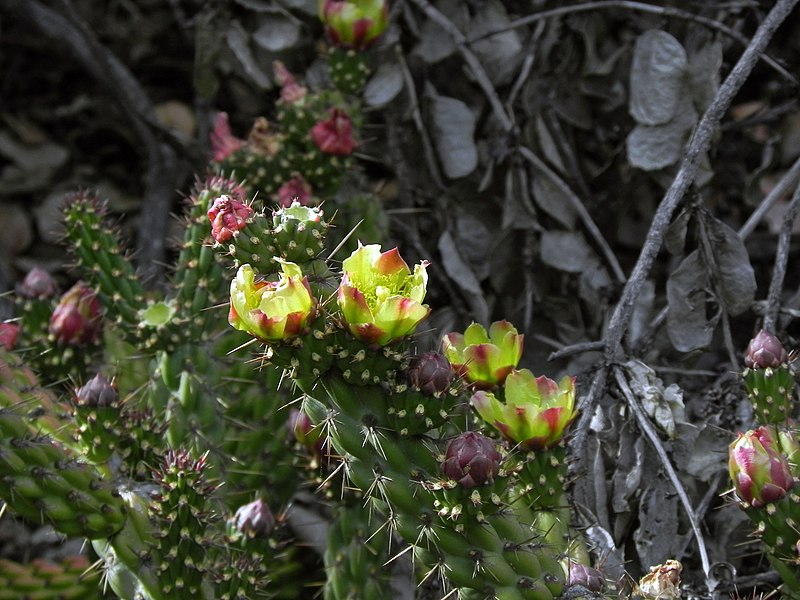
x=765 y=351
x=254 y=519
x=227 y=216
x=9 y=332
x=223 y=142
x=38 y=283
x=759 y=471
x=297 y=190
x=471 y=459
x=585 y=576
x=334 y=135
x=76 y=318
x=430 y=373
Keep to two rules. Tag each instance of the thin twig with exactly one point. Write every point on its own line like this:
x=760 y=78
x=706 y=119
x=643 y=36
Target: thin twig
x=579 y=208
x=647 y=427
x=781 y=258
x=576 y=349
x=664 y=11
x=472 y=61
x=427 y=147
x=784 y=185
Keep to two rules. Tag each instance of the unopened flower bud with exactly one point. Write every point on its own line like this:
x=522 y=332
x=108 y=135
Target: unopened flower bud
x=291 y=91
x=585 y=576
x=765 y=351
x=355 y=24
x=9 y=332
x=38 y=283
x=760 y=473
x=297 y=190
x=76 y=319
x=254 y=519
x=97 y=392
x=430 y=373
x=471 y=459
x=335 y=134
x=227 y=216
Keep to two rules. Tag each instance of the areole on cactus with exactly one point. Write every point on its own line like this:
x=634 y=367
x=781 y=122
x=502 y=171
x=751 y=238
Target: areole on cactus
x=536 y=410
x=484 y=359
x=272 y=311
x=379 y=296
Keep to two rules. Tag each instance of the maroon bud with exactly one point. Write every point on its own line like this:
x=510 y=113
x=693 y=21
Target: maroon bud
x=305 y=432
x=98 y=392
x=585 y=576
x=471 y=459
x=430 y=373
x=38 y=283
x=76 y=318
x=254 y=519
x=9 y=332
x=765 y=351
x=227 y=217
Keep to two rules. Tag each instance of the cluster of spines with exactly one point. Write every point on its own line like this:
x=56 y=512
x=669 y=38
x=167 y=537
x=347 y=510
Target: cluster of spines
x=355 y=558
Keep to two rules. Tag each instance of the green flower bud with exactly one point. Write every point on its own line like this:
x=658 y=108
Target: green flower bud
x=536 y=412
x=380 y=298
x=484 y=360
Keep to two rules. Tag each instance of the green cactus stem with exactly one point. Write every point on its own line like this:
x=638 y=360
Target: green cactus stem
x=71 y=579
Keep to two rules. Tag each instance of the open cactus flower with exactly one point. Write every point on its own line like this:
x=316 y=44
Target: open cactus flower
x=380 y=297
x=536 y=411
x=484 y=359
x=272 y=311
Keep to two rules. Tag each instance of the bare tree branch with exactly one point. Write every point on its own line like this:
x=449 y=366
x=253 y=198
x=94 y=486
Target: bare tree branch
x=781 y=259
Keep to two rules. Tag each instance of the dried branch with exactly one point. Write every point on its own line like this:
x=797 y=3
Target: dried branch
x=697 y=145
x=647 y=427
x=664 y=11
x=164 y=174
x=781 y=259
x=472 y=61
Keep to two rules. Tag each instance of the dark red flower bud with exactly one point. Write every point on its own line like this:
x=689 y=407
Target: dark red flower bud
x=471 y=459
x=9 y=332
x=76 y=318
x=430 y=373
x=38 y=283
x=227 y=216
x=765 y=351
x=254 y=519
x=98 y=392
x=585 y=576
x=334 y=135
